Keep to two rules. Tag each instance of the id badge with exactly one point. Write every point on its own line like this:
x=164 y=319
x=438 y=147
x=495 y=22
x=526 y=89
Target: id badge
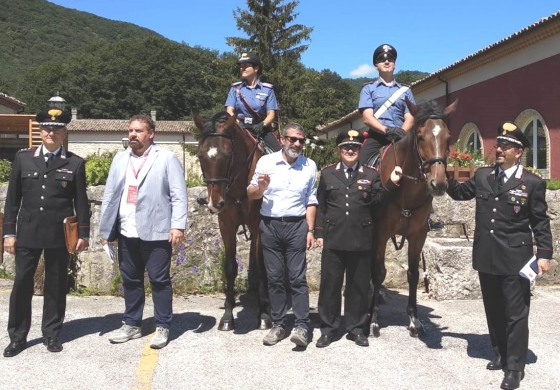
x=132 y=195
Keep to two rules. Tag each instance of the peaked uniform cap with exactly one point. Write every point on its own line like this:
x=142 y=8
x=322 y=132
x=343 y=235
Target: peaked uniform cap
x=510 y=133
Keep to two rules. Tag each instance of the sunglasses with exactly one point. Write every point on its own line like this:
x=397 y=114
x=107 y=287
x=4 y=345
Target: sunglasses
x=505 y=145
x=245 y=65
x=293 y=140
x=348 y=148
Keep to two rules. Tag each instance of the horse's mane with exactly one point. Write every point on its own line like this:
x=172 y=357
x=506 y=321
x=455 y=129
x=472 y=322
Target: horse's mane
x=425 y=110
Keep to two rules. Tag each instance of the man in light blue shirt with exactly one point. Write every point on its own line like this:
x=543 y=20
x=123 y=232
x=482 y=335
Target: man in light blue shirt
x=286 y=182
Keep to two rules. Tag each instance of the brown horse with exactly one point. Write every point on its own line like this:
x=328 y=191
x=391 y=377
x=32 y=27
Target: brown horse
x=422 y=155
x=228 y=156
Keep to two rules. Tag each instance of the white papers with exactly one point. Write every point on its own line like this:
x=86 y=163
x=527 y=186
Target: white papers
x=110 y=251
x=530 y=270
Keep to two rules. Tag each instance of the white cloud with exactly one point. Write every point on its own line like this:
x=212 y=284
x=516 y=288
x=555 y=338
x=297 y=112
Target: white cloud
x=363 y=71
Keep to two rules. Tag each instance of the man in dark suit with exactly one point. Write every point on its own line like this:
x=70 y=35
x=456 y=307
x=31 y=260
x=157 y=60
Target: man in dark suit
x=347 y=194
x=47 y=184
x=511 y=210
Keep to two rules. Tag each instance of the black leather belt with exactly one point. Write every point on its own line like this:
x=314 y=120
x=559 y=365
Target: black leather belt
x=283 y=219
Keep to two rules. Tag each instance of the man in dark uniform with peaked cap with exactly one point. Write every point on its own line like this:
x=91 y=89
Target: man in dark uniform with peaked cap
x=47 y=184
x=511 y=211
x=348 y=193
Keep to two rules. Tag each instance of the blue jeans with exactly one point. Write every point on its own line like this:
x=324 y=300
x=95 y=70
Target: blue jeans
x=135 y=256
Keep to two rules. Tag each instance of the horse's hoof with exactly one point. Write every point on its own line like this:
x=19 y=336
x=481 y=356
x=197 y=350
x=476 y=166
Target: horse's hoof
x=226 y=325
x=413 y=332
x=374 y=330
x=264 y=324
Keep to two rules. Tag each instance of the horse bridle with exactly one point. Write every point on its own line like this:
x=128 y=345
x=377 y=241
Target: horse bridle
x=423 y=165
x=229 y=180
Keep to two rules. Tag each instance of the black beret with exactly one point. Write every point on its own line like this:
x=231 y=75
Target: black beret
x=349 y=137
x=55 y=115
x=384 y=52
x=508 y=132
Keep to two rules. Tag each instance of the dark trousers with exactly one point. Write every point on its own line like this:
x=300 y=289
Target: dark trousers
x=356 y=264
x=135 y=256
x=284 y=245
x=55 y=288
x=506 y=303
x=370 y=149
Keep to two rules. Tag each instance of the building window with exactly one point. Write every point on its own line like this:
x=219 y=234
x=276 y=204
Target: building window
x=470 y=140
x=534 y=128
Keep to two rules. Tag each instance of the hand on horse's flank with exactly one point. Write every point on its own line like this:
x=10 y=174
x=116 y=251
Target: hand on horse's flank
x=396 y=175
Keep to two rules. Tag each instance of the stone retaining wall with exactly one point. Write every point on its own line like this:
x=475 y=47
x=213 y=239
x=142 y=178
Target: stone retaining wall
x=196 y=266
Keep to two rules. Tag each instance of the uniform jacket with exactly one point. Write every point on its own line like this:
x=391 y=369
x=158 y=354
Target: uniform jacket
x=261 y=99
x=40 y=197
x=345 y=212
x=162 y=196
x=507 y=220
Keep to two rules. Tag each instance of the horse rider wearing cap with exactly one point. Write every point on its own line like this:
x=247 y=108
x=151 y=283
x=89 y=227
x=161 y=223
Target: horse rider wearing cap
x=383 y=106
x=47 y=184
x=511 y=213
x=253 y=102
x=348 y=194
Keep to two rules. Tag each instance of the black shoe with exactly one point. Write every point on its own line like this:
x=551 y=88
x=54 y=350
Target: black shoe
x=512 y=380
x=495 y=364
x=53 y=344
x=324 y=341
x=14 y=348
x=435 y=225
x=359 y=339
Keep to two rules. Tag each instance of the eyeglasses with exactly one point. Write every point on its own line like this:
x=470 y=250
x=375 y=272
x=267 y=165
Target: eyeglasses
x=347 y=148
x=504 y=146
x=293 y=140
x=245 y=65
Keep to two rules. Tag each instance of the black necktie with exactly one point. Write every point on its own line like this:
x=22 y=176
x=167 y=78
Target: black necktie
x=501 y=177
x=349 y=173
x=49 y=157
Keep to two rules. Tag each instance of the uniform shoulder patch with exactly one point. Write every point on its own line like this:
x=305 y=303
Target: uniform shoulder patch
x=236 y=84
x=268 y=85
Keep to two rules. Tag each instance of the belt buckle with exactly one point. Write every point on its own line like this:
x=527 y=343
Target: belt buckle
x=248 y=121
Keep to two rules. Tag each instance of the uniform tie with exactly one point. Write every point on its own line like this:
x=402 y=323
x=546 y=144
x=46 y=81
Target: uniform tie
x=49 y=157
x=349 y=173
x=501 y=178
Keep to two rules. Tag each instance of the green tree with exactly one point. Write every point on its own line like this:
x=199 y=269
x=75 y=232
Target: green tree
x=271 y=32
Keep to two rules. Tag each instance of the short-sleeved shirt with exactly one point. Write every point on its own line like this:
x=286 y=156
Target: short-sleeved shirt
x=292 y=187
x=261 y=99
x=375 y=93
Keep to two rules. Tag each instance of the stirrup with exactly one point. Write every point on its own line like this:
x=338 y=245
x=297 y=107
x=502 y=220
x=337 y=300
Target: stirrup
x=435 y=226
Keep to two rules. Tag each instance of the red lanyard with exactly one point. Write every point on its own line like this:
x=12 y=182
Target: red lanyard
x=134 y=171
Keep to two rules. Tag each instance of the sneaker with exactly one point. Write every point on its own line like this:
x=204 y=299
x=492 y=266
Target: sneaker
x=160 y=338
x=299 y=337
x=276 y=334
x=126 y=333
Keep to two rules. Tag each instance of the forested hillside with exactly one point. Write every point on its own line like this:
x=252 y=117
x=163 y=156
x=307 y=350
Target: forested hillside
x=36 y=31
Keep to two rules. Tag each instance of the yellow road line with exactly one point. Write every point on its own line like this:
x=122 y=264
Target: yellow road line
x=146 y=368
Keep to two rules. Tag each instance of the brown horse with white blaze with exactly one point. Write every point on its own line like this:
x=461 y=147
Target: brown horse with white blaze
x=422 y=155
x=228 y=156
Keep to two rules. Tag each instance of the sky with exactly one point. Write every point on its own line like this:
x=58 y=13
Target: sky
x=429 y=35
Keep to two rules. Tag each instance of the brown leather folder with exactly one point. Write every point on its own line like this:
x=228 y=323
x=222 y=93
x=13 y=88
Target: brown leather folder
x=71 y=233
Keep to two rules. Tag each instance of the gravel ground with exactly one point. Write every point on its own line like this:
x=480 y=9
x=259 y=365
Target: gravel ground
x=451 y=355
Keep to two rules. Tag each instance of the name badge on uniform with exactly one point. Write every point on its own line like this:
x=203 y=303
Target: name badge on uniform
x=132 y=195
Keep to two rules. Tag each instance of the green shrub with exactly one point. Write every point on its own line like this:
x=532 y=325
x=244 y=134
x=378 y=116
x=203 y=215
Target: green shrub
x=97 y=168
x=5 y=170
x=553 y=184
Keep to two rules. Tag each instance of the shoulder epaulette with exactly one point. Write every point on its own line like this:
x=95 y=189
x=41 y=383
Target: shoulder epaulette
x=236 y=84
x=369 y=82
x=268 y=85
x=27 y=150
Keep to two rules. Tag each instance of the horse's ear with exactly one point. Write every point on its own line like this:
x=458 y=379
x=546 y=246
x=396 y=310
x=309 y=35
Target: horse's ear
x=411 y=106
x=451 y=108
x=198 y=121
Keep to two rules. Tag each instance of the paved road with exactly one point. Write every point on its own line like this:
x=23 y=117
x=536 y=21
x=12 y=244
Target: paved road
x=452 y=354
